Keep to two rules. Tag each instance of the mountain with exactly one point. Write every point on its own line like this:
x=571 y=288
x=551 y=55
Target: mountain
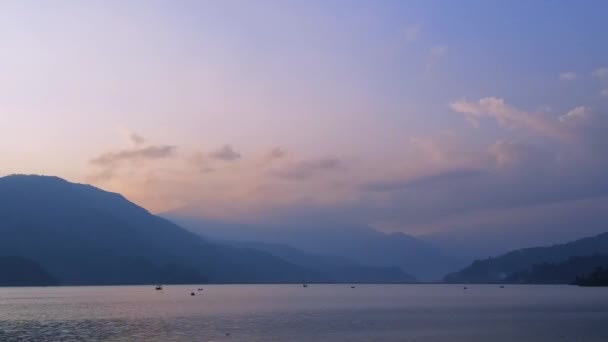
x=83 y=235
x=335 y=269
x=599 y=277
x=500 y=268
x=560 y=273
x=361 y=244
x=16 y=271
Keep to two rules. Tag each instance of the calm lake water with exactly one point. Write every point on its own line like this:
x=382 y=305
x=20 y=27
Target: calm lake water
x=293 y=313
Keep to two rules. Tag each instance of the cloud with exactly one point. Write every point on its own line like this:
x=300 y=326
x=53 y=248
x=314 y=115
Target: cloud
x=580 y=113
x=102 y=175
x=433 y=179
x=600 y=72
x=568 y=76
x=306 y=169
x=225 y=153
x=509 y=116
x=277 y=153
x=107 y=165
x=137 y=139
x=411 y=33
x=135 y=154
x=200 y=162
x=517 y=173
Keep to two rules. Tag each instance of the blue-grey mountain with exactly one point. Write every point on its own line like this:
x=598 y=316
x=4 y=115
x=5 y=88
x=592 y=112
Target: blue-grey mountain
x=358 y=243
x=520 y=264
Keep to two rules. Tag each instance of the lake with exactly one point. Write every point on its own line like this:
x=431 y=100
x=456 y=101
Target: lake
x=293 y=313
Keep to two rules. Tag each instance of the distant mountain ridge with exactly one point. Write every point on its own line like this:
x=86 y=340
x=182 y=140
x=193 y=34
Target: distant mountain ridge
x=500 y=268
x=335 y=269
x=361 y=244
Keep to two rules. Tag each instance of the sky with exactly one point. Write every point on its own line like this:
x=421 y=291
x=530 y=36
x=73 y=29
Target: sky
x=434 y=118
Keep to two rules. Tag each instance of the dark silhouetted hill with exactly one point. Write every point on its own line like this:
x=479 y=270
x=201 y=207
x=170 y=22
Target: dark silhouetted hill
x=17 y=271
x=500 y=268
x=83 y=235
x=560 y=273
x=599 y=277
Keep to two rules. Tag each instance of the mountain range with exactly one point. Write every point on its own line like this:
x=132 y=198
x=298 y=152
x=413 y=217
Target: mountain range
x=357 y=243
x=56 y=232
x=81 y=235
x=337 y=269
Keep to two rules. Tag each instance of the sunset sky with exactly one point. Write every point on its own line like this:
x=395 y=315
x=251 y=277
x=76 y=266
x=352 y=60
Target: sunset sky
x=413 y=116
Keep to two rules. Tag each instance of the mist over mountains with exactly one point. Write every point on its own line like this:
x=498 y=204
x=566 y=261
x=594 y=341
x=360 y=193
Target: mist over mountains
x=83 y=235
x=358 y=243
x=56 y=232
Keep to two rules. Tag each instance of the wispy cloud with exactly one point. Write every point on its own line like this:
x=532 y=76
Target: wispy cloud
x=137 y=139
x=306 y=169
x=434 y=179
x=576 y=114
x=568 y=76
x=600 y=72
x=507 y=115
x=135 y=154
x=225 y=153
x=108 y=164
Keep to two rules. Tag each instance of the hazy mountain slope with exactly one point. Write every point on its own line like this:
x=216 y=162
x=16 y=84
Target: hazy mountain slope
x=501 y=267
x=336 y=269
x=364 y=245
x=83 y=235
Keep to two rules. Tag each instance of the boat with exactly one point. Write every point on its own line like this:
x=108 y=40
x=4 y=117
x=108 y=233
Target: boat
x=159 y=287
x=304 y=285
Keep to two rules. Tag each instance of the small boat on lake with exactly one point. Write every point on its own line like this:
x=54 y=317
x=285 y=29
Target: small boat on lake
x=158 y=288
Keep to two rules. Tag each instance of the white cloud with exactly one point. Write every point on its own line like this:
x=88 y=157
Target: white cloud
x=509 y=116
x=567 y=76
x=576 y=114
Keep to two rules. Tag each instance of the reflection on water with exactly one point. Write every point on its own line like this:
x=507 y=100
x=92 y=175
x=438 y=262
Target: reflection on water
x=316 y=313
